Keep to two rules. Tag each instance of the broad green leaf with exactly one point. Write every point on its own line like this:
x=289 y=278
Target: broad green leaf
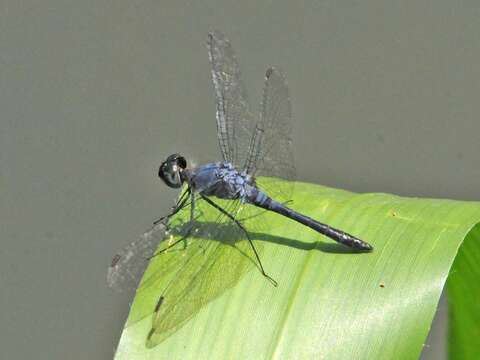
x=331 y=303
x=464 y=295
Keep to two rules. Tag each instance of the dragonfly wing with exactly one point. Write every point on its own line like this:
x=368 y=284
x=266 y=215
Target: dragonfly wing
x=234 y=119
x=129 y=264
x=270 y=152
x=215 y=258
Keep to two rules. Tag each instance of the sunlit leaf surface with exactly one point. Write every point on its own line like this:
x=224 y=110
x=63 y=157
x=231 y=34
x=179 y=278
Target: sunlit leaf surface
x=331 y=303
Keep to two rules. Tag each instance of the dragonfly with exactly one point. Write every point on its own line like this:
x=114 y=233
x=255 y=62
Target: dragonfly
x=220 y=203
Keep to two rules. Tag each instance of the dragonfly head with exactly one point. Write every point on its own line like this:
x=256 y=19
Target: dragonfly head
x=171 y=170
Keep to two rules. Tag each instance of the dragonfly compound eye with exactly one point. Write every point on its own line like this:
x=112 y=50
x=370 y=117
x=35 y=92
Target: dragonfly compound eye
x=181 y=161
x=170 y=170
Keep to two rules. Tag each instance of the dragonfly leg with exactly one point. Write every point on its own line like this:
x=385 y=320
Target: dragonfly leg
x=192 y=208
x=192 y=219
x=181 y=203
x=239 y=224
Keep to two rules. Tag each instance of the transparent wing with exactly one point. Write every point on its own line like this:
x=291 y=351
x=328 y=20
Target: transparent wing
x=235 y=123
x=216 y=256
x=129 y=264
x=270 y=153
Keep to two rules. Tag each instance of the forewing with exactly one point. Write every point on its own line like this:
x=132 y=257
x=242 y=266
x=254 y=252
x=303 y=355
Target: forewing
x=270 y=151
x=234 y=120
x=129 y=264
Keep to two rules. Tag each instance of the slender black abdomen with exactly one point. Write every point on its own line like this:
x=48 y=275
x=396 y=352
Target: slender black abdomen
x=265 y=202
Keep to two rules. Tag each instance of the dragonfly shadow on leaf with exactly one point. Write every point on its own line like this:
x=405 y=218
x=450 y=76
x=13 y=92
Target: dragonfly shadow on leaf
x=210 y=230
x=322 y=246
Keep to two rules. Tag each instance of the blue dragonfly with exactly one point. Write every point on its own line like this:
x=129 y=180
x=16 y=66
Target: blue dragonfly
x=256 y=155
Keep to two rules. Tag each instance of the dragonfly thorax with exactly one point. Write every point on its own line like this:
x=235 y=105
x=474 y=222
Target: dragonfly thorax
x=220 y=179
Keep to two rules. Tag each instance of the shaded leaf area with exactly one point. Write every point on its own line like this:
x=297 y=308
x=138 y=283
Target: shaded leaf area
x=331 y=302
x=464 y=300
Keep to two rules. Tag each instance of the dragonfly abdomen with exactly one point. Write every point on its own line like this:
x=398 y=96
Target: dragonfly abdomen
x=259 y=199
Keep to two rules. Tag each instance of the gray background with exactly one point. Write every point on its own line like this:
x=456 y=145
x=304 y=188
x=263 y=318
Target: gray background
x=94 y=94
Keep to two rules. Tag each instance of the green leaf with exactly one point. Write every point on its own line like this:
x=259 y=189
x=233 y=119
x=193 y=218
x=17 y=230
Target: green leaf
x=331 y=303
x=464 y=293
